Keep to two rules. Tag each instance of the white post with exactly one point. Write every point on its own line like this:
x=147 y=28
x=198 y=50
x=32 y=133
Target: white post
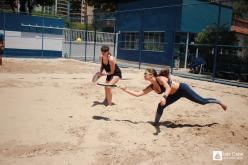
x=56 y=7
x=117 y=41
x=186 y=51
x=196 y=53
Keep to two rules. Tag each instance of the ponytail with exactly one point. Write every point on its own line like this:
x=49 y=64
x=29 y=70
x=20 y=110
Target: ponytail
x=154 y=72
x=165 y=72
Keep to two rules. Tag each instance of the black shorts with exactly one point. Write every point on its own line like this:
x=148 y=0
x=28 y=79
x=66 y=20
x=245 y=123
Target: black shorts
x=116 y=73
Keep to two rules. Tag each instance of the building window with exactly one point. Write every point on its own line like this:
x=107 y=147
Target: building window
x=129 y=40
x=154 y=41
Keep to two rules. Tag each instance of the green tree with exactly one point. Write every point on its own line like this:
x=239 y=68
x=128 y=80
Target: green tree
x=206 y=40
x=240 y=8
x=23 y=6
x=44 y=3
x=29 y=4
x=12 y=4
x=104 y=5
x=207 y=36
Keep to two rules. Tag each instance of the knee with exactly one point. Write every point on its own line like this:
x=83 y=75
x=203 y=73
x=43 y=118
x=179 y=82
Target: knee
x=107 y=88
x=205 y=102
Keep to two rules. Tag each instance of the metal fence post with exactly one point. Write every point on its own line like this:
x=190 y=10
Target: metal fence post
x=186 y=51
x=94 y=25
x=117 y=43
x=42 y=37
x=86 y=36
x=4 y=25
x=216 y=42
x=172 y=51
x=115 y=27
x=70 y=33
x=141 y=38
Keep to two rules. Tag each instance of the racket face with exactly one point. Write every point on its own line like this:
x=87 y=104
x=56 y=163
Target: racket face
x=95 y=78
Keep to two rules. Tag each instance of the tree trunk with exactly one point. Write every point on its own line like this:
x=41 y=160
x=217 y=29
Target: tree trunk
x=30 y=7
x=23 y=6
x=12 y=5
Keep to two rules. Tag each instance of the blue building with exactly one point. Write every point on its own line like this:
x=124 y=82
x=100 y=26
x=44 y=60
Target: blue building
x=148 y=29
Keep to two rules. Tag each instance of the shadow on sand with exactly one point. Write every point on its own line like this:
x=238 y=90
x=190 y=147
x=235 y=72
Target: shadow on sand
x=168 y=124
x=108 y=119
x=95 y=103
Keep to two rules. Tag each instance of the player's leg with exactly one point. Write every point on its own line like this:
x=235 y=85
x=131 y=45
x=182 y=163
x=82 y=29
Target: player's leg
x=108 y=90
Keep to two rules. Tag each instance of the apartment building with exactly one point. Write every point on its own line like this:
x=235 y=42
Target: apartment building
x=64 y=8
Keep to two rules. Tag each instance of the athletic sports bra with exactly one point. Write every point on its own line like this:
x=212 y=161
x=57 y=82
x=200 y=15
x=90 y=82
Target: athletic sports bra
x=162 y=88
x=106 y=67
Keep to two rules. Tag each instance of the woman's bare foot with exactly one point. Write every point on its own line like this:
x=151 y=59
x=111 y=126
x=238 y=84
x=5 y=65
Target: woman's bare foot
x=105 y=102
x=110 y=103
x=224 y=107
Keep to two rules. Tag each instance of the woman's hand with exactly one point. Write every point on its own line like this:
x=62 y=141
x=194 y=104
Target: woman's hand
x=105 y=74
x=123 y=88
x=98 y=74
x=162 y=101
x=101 y=74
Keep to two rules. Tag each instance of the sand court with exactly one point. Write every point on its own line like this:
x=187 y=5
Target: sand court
x=51 y=113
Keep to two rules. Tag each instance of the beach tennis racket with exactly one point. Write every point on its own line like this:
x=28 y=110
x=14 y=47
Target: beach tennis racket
x=109 y=85
x=95 y=77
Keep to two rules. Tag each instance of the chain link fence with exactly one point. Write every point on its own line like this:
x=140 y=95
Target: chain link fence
x=174 y=35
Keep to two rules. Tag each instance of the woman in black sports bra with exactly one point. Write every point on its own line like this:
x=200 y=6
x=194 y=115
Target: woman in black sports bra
x=173 y=91
x=113 y=72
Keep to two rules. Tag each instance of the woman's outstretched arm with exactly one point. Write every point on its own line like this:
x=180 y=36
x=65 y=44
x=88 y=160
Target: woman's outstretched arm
x=138 y=93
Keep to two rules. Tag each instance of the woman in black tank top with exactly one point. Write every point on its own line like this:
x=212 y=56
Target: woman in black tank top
x=173 y=91
x=112 y=72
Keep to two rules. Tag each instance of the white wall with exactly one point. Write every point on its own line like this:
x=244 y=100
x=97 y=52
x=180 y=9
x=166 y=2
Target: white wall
x=78 y=50
x=25 y=40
